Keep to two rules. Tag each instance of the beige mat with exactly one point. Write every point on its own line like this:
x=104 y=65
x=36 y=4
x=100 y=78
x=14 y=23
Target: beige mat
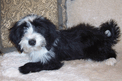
x=77 y=70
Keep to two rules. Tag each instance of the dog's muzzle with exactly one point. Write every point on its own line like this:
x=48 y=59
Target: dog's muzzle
x=32 y=42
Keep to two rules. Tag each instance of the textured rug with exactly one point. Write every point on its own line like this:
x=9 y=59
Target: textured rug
x=77 y=70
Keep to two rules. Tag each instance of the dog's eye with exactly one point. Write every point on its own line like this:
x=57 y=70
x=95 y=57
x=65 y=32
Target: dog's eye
x=28 y=24
x=25 y=27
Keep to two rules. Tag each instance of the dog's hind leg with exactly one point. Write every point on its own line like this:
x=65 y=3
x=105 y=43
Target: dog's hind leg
x=111 y=58
x=110 y=61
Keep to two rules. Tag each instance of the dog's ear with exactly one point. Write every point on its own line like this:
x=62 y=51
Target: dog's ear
x=15 y=34
x=52 y=34
x=47 y=29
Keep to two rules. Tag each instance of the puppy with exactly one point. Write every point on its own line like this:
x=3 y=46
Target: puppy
x=47 y=47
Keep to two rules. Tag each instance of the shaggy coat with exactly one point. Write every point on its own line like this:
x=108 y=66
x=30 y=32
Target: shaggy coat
x=48 y=47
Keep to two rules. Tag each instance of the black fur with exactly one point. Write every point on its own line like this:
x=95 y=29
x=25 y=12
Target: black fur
x=79 y=42
x=0 y=52
x=15 y=35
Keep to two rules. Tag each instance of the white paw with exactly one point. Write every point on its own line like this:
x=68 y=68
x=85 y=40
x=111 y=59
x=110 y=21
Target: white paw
x=110 y=61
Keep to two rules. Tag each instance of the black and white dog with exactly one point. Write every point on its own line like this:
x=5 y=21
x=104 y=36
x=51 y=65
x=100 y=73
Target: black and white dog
x=47 y=47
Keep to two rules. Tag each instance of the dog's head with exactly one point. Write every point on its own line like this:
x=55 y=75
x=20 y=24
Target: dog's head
x=32 y=32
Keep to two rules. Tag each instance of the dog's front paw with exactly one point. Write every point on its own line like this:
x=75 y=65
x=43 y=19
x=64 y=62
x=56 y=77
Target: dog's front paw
x=30 y=67
x=25 y=69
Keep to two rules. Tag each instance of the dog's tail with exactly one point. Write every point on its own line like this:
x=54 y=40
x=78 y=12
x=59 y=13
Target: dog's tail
x=111 y=31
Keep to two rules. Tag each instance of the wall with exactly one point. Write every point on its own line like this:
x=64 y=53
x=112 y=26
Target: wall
x=94 y=12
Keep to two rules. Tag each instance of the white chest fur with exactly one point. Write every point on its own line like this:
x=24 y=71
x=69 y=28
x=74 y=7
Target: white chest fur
x=42 y=55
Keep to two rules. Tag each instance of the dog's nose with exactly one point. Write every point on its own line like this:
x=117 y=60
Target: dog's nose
x=32 y=42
